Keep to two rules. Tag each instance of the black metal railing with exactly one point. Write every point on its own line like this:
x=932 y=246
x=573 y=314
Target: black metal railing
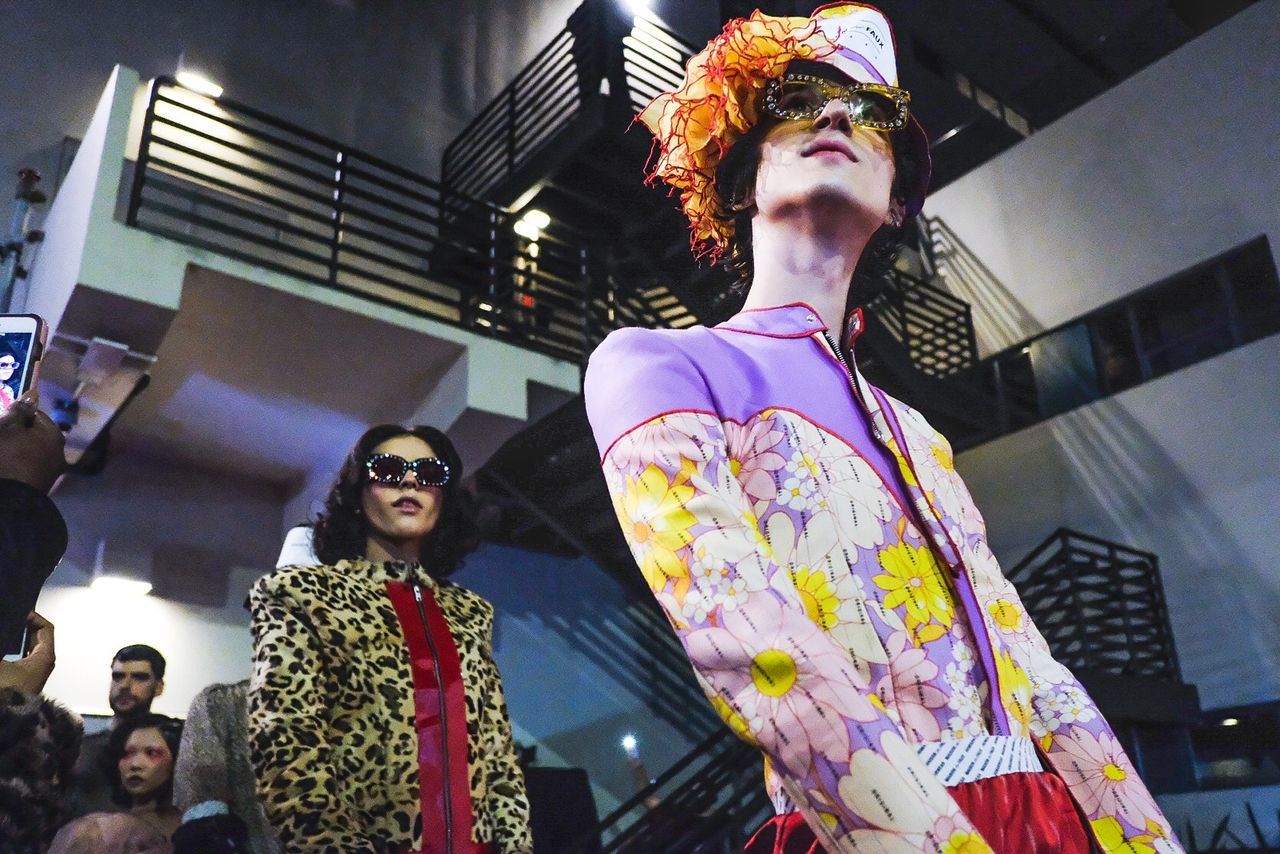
x=599 y=65
x=1100 y=605
x=229 y=178
x=711 y=800
x=934 y=326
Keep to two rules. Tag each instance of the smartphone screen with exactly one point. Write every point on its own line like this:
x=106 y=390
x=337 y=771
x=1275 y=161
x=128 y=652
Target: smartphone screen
x=22 y=339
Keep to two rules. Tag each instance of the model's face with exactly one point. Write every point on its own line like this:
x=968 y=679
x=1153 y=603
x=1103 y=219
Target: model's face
x=133 y=687
x=404 y=512
x=146 y=765
x=828 y=161
x=8 y=365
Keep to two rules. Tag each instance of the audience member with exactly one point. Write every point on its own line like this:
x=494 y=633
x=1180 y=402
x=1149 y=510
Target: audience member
x=143 y=749
x=109 y=833
x=33 y=535
x=39 y=739
x=214 y=765
x=137 y=678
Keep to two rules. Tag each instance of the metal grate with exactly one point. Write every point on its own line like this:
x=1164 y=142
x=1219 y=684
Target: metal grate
x=1100 y=605
x=935 y=327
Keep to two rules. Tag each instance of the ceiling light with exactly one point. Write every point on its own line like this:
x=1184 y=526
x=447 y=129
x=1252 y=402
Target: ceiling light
x=538 y=219
x=631 y=746
x=113 y=585
x=526 y=229
x=199 y=83
x=636 y=7
x=1230 y=721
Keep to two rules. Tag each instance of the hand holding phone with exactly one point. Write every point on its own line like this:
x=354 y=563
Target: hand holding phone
x=31 y=445
x=29 y=674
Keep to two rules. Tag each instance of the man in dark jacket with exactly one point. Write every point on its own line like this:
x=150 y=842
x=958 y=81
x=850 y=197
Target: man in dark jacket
x=39 y=739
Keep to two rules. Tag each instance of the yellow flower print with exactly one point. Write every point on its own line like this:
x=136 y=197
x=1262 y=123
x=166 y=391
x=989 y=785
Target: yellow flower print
x=1111 y=836
x=913 y=579
x=656 y=523
x=1008 y=616
x=962 y=842
x=740 y=726
x=774 y=672
x=1015 y=689
x=942 y=454
x=818 y=595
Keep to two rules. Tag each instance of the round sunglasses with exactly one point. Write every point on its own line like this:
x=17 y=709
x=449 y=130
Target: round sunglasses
x=391 y=469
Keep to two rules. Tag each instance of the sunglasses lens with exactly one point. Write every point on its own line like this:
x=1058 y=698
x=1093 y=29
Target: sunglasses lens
x=385 y=469
x=432 y=472
x=801 y=97
x=872 y=107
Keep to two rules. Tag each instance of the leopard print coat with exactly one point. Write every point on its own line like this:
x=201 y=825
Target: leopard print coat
x=331 y=713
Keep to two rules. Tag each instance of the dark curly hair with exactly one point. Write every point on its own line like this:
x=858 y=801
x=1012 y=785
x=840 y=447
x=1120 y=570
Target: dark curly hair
x=170 y=730
x=736 y=179
x=342 y=532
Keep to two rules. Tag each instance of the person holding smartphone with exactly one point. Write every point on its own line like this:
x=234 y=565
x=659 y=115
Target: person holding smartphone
x=376 y=716
x=39 y=739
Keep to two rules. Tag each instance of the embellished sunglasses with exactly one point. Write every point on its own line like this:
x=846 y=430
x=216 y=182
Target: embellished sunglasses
x=391 y=469
x=871 y=105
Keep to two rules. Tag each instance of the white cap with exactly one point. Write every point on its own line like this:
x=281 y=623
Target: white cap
x=863 y=39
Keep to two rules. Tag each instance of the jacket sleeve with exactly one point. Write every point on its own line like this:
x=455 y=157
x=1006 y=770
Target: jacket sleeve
x=1065 y=722
x=200 y=773
x=508 y=800
x=775 y=677
x=288 y=725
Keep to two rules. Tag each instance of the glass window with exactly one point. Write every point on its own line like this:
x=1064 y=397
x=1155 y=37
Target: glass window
x=1118 y=365
x=1183 y=322
x=1252 y=272
x=1066 y=376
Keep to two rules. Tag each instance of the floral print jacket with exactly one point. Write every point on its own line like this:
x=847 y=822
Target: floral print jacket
x=829 y=625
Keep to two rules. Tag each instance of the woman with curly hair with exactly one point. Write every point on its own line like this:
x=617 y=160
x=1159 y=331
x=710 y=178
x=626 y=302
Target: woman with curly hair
x=807 y=535
x=376 y=716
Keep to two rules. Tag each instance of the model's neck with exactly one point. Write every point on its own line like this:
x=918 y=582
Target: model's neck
x=805 y=260
x=380 y=550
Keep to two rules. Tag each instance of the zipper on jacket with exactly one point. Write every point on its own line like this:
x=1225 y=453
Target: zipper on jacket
x=444 y=717
x=848 y=372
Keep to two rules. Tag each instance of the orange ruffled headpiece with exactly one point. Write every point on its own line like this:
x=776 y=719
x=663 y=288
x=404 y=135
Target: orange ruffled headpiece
x=696 y=125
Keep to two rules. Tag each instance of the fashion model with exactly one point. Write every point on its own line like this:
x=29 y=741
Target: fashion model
x=376 y=716
x=807 y=535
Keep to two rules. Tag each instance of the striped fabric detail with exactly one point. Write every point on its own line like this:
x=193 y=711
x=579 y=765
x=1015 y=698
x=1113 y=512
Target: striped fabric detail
x=979 y=757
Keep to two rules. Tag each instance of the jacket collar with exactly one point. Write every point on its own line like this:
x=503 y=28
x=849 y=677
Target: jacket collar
x=381 y=573
x=793 y=320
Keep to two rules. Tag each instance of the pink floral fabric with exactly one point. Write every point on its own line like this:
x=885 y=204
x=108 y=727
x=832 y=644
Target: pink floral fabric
x=829 y=624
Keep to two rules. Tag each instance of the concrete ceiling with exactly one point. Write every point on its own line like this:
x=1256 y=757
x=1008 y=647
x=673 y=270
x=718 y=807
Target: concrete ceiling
x=271 y=386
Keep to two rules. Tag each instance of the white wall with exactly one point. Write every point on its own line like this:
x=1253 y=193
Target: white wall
x=1133 y=187
x=1171 y=167
x=201 y=537
x=1186 y=466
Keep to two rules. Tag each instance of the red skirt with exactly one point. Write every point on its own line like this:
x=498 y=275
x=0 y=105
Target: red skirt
x=1022 y=813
